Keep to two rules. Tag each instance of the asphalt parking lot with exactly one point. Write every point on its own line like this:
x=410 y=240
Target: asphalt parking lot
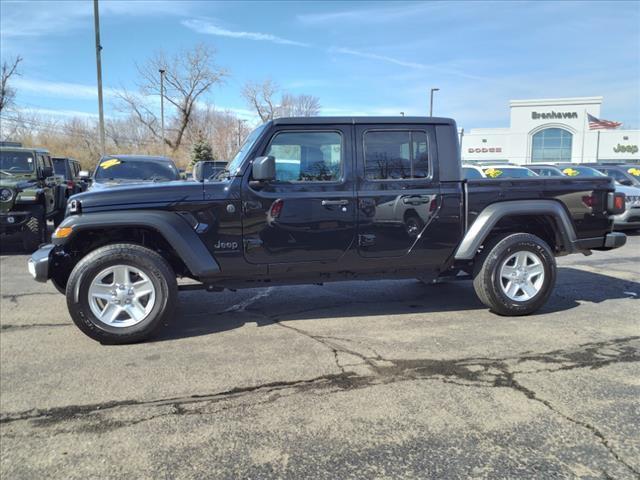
x=389 y=379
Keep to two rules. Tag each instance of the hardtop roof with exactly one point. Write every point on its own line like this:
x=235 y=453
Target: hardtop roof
x=362 y=120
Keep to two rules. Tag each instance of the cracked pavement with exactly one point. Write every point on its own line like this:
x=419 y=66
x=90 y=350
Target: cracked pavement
x=386 y=379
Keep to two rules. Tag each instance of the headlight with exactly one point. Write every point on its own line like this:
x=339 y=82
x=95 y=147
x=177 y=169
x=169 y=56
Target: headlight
x=6 y=195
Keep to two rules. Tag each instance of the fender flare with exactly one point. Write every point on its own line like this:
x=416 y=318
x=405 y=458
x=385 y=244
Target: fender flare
x=170 y=225
x=493 y=213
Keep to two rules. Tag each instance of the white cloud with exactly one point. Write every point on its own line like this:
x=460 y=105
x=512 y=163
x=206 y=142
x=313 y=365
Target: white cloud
x=49 y=112
x=404 y=63
x=61 y=89
x=373 y=15
x=208 y=28
x=33 y=19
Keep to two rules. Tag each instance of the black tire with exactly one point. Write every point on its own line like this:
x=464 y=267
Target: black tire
x=487 y=279
x=34 y=231
x=413 y=225
x=155 y=267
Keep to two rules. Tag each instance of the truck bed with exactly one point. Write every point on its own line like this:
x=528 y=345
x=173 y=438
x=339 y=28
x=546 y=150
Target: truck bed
x=584 y=199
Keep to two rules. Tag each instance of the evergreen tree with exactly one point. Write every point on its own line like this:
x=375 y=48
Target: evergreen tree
x=201 y=150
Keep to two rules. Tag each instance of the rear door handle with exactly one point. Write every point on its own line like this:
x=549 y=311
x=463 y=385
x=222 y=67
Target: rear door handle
x=326 y=203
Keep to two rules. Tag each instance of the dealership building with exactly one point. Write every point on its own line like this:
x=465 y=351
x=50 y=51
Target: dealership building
x=551 y=130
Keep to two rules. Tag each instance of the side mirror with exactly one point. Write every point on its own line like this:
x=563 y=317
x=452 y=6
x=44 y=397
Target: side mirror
x=47 y=172
x=198 y=172
x=627 y=182
x=264 y=169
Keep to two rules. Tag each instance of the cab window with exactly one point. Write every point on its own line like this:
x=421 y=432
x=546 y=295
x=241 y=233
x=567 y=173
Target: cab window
x=396 y=155
x=307 y=156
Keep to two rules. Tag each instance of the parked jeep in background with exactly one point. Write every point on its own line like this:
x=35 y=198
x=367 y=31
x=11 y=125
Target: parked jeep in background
x=114 y=170
x=313 y=200
x=69 y=171
x=30 y=194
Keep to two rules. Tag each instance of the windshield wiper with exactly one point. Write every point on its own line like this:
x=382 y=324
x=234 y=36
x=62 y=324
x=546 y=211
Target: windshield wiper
x=7 y=173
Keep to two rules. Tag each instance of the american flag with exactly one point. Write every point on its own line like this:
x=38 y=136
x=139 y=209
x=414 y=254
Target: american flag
x=597 y=124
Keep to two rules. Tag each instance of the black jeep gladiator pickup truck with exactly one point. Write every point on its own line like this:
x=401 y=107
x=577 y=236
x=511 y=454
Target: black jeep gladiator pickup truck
x=309 y=200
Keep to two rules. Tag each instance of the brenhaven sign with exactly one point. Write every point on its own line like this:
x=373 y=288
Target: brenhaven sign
x=553 y=115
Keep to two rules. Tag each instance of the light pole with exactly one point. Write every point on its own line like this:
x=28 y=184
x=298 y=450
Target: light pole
x=162 y=108
x=96 y=23
x=431 y=101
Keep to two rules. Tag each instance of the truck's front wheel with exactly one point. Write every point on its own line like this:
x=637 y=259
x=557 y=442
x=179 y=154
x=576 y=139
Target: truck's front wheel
x=515 y=274
x=121 y=293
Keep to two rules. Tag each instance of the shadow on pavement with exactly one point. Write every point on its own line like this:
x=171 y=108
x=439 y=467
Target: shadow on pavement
x=202 y=314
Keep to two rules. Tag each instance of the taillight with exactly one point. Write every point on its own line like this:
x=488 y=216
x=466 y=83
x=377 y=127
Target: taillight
x=276 y=208
x=616 y=203
x=588 y=200
x=70 y=184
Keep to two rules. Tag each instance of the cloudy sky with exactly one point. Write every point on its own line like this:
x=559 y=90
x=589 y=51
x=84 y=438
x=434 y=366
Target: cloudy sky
x=376 y=58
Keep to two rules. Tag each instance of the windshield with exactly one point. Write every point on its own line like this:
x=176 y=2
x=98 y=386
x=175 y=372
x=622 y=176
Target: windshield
x=126 y=169
x=471 y=173
x=635 y=171
x=16 y=162
x=548 y=172
x=582 y=172
x=235 y=164
x=211 y=169
x=508 y=172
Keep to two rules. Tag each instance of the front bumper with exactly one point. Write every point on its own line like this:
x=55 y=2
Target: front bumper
x=39 y=263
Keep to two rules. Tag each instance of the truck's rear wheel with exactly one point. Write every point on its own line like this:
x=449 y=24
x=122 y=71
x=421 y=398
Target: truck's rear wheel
x=121 y=293
x=515 y=274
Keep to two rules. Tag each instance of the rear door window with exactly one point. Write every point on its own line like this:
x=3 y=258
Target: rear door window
x=396 y=155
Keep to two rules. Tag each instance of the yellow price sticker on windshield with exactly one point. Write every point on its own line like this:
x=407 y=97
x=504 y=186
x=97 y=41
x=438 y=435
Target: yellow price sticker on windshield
x=493 y=172
x=571 y=172
x=634 y=171
x=110 y=163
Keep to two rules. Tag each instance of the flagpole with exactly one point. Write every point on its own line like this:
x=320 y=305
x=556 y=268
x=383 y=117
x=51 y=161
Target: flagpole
x=584 y=134
x=598 y=148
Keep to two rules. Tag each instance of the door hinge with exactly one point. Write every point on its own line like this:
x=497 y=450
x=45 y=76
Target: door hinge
x=366 y=240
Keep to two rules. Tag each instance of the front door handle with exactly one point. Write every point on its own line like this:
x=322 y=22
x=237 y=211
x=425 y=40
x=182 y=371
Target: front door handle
x=342 y=203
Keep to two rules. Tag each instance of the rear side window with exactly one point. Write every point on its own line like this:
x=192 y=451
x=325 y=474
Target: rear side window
x=59 y=167
x=396 y=155
x=307 y=156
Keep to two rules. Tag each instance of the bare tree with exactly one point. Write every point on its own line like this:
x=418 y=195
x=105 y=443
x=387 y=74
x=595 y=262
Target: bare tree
x=299 y=105
x=188 y=75
x=261 y=98
x=7 y=92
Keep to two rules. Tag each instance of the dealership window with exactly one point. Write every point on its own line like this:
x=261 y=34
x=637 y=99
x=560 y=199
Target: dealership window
x=551 y=145
x=396 y=155
x=307 y=156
